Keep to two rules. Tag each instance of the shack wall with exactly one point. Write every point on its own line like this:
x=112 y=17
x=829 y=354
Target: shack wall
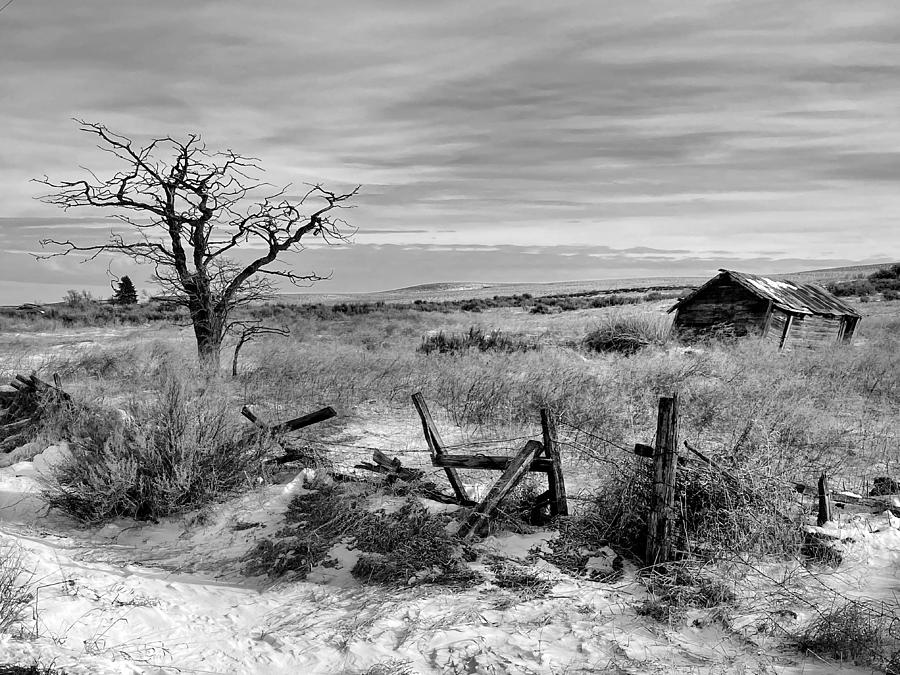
x=813 y=331
x=724 y=303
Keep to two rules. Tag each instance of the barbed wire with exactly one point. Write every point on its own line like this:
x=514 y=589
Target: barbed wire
x=597 y=437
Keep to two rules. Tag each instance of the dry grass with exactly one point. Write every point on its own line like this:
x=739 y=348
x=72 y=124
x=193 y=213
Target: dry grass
x=857 y=632
x=403 y=546
x=628 y=332
x=15 y=587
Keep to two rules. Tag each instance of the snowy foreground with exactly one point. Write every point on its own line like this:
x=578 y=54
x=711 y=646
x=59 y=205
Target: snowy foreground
x=169 y=598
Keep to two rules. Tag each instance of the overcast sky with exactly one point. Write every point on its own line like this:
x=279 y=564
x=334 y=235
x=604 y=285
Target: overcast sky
x=493 y=140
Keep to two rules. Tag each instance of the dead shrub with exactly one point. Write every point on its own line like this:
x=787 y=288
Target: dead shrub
x=521 y=580
x=627 y=333
x=676 y=587
x=15 y=587
x=177 y=453
x=476 y=338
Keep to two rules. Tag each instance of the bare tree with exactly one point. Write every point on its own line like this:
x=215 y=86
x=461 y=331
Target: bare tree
x=187 y=211
x=249 y=331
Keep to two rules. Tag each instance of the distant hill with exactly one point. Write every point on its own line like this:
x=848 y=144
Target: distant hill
x=834 y=273
x=464 y=290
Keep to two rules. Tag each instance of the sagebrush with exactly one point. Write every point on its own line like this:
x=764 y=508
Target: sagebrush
x=179 y=451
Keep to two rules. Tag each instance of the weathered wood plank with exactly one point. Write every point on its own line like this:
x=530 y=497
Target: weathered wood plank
x=309 y=419
x=489 y=462
x=517 y=468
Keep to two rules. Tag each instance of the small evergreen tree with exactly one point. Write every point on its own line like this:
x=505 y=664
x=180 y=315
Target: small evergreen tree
x=126 y=294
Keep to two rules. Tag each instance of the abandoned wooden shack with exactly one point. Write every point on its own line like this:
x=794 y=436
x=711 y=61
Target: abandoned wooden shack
x=786 y=313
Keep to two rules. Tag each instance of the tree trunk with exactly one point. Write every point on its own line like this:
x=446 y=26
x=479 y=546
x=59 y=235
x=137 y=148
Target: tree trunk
x=208 y=349
x=209 y=331
x=237 y=350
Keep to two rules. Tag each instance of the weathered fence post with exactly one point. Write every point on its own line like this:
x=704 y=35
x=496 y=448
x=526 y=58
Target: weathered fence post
x=559 y=505
x=824 y=501
x=436 y=446
x=665 y=467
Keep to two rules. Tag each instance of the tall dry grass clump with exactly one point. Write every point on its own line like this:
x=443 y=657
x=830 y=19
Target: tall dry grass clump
x=628 y=332
x=863 y=633
x=177 y=451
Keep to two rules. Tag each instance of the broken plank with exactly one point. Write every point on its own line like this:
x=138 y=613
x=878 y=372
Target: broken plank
x=250 y=415
x=517 y=468
x=395 y=467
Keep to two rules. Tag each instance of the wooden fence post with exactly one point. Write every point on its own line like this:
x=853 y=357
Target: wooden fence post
x=665 y=467
x=559 y=506
x=436 y=447
x=824 y=501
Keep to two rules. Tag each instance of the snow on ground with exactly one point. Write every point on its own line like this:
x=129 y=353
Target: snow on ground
x=170 y=598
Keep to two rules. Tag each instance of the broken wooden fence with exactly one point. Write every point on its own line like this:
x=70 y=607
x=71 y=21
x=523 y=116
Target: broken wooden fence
x=22 y=409
x=282 y=428
x=536 y=456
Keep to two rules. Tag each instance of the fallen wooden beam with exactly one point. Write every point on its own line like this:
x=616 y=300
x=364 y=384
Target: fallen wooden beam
x=491 y=462
x=325 y=413
x=517 y=468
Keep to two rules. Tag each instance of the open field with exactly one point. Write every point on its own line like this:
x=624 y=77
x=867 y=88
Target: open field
x=187 y=591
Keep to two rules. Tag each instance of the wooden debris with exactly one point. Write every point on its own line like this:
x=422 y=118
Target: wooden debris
x=22 y=408
x=298 y=423
x=394 y=470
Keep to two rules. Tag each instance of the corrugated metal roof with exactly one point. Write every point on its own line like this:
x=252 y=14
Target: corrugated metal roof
x=787 y=295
